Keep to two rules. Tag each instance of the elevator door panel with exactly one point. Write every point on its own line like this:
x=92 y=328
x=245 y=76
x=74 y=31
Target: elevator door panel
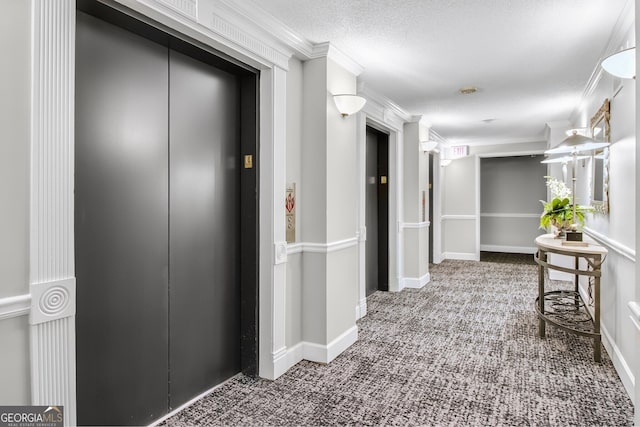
x=204 y=285
x=371 y=218
x=121 y=225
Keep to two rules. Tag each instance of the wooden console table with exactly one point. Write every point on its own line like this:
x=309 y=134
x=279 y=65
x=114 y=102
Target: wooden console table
x=565 y=308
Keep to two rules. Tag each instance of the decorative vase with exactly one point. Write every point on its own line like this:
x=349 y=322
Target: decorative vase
x=561 y=227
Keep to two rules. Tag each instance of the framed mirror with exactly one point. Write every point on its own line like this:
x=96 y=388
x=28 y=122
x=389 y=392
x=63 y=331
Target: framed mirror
x=600 y=132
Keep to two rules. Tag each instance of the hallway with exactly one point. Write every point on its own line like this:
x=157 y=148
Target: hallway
x=463 y=350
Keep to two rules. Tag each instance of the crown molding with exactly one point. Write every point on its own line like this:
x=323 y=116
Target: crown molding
x=617 y=40
x=328 y=50
x=388 y=107
x=271 y=26
x=218 y=23
x=250 y=12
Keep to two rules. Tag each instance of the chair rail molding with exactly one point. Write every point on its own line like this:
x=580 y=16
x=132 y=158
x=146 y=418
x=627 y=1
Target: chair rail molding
x=614 y=245
x=15 y=306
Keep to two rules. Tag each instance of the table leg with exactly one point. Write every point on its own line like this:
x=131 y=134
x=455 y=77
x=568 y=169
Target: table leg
x=576 y=282
x=542 y=255
x=597 y=345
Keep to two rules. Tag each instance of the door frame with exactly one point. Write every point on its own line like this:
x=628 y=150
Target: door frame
x=382 y=206
x=247 y=80
x=51 y=257
x=370 y=116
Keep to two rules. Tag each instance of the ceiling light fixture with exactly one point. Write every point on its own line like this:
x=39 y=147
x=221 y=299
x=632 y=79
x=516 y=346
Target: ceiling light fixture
x=348 y=104
x=467 y=90
x=621 y=64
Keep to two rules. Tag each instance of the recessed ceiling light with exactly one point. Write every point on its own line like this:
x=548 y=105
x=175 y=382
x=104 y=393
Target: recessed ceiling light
x=466 y=90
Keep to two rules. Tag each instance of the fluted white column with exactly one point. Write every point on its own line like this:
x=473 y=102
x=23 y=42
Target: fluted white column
x=52 y=314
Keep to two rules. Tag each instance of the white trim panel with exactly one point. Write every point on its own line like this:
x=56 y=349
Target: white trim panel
x=52 y=301
x=187 y=7
x=509 y=249
x=464 y=256
x=621 y=249
x=51 y=257
x=18 y=305
x=417 y=283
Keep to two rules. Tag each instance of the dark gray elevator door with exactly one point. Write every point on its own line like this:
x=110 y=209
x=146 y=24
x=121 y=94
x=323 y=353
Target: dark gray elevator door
x=371 y=212
x=121 y=225
x=157 y=226
x=204 y=292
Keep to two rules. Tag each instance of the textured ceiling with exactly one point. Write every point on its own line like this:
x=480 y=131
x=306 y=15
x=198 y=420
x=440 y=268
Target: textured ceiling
x=530 y=59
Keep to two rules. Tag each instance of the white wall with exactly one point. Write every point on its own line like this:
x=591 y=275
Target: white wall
x=329 y=198
x=459 y=240
x=14 y=196
x=341 y=208
x=415 y=222
x=460 y=194
x=634 y=305
x=617 y=229
x=510 y=190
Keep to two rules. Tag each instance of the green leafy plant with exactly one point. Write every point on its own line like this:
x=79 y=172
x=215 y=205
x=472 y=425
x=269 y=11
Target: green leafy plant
x=559 y=210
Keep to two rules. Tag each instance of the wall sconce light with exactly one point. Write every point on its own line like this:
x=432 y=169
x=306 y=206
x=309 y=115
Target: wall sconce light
x=348 y=104
x=445 y=162
x=621 y=64
x=428 y=145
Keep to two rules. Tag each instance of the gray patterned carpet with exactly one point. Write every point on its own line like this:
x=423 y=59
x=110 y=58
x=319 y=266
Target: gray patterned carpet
x=461 y=351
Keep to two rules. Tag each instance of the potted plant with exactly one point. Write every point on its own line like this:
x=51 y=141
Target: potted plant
x=558 y=212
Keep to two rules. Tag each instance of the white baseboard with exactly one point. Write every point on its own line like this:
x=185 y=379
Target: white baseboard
x=285 y=360
x=464 y=256
x=326 y=353
x=416 y=283
x=509 y=249
x=619 y=362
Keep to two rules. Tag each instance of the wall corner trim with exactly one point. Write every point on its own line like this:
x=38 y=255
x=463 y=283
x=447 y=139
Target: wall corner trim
x=15 y=306
x=416 y=283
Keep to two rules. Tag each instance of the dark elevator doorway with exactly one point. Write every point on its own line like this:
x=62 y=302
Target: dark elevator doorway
x=165 y=219
x=377 y=211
